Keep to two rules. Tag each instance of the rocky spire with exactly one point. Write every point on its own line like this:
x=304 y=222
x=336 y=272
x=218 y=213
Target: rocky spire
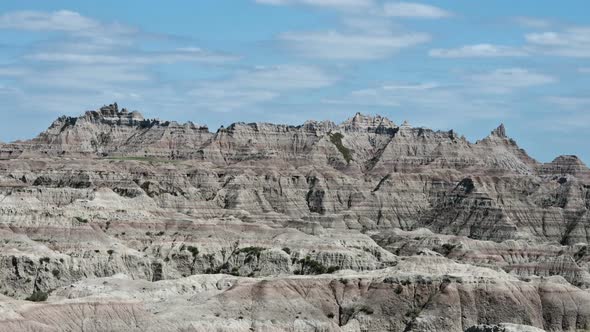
x=111 y=114
x=500 y=131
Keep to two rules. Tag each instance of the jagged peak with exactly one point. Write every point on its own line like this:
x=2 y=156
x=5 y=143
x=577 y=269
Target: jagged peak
x=111 y=113
x=367 y=122
x=498 y=135
x=113 y=116
x=500 y=131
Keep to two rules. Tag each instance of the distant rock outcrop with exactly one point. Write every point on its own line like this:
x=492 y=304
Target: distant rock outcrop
x=128 y=223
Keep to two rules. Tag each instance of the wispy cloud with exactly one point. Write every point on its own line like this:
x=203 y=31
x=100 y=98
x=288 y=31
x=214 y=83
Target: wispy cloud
x=479 y=51
x=532 y=22
x=367 y=32
x=508 y=79
x=414 y=10
x=261 y=84
x=487 y=95
x=62 y=20
x=338 y=4
x=88 y=62
x=134 y=58
x=353 y=46
x=584 y=70
x=572 y=42
x=433 y=103
x=88 y=41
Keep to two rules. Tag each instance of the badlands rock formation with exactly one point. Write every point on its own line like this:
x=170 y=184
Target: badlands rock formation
x=113 y=222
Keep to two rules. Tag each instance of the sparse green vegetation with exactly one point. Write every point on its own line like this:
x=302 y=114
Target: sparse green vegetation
x=366 y=309
x=313 y=267
x=81 y=220
x=414 y=313
x=193 y=250
x=250 y=252
x=336 y=139
x=446 y=249
x=332 y=269
x=38 y=296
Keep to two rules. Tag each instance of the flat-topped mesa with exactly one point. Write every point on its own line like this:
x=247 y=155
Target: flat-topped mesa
x=366 y=123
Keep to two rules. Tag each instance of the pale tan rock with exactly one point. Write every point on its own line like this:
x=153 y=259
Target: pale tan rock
x=124 y=219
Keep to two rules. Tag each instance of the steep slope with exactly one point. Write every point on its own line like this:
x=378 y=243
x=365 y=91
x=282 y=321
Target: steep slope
x=110 y=193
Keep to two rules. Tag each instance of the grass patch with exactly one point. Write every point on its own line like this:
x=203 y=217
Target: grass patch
x=336 y=139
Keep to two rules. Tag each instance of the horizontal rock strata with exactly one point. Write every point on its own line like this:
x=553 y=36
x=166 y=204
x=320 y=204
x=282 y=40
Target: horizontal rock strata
x=128 y=223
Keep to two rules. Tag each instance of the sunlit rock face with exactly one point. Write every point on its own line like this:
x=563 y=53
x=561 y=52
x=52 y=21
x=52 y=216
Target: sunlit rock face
x=129 y=223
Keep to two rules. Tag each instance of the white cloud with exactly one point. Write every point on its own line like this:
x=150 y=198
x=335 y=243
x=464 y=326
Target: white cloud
x=353 y=46
x=65 y=21
x=62 y=20
x=389 y=95
x=478 y=50
x=419 y=87
x=532 y=22
x=573 y=42
x=94 y=78
x=224 y=100
x=88 y=41
x=144 y=58
x=338 y=4
x=443 y=105
x=506 y=80
x=283 y=77
x=87 y=62
x=413 y=10
x=249 y=87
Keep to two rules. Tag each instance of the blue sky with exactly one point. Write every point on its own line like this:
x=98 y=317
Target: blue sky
x=462 y=64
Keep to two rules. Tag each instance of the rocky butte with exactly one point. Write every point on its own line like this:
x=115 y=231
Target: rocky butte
x=113 y=222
